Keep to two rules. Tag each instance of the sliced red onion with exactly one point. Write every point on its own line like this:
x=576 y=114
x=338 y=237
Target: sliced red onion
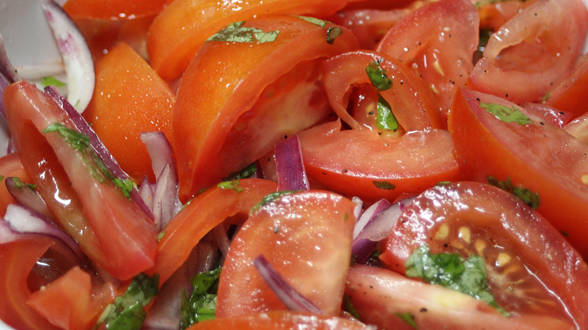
x=289 y=165
x=105 y=156
x=27 y=197
x=222 y=239
x=7 y=234
x=293 y=299
x=77 y=58
x=146 y=191
x=358 y=207
x=8 y=73
x=370 y=213
x=23 y=220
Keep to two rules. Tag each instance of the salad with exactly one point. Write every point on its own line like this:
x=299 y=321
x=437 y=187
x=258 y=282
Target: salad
x=278 y=164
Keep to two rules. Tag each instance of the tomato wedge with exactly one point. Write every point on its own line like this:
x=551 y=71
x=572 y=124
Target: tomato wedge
x=571 y=94
x=113 y=9
x=544 y=159
x=199 y=217
x=369 y=25
x=111 y=229
x=531 y=269
x=224 y=119
x=184 y=26
x=10 y=166
x=366 y=164
x=438 y=40
x=532 y=51
x=306 y=237
x=579 y=128
x=391 y=301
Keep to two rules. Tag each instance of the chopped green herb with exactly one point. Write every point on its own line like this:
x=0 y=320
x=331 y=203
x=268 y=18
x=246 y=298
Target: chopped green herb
x=19 y=184
x=313 y=20
x=349 y=308
x=378 y=76
x=453 y=272
x=231 y=185
x=384 y=185
x=77 y=140
x=201 y=305
x=160 y=236
x=332 y=33
x=385 y=119
x=374 y=259
x=408 y=318
x=51 y=81
x=127 y=312
x=235 y=32
x=529 y=197
x=506 y=114
x=484 y=37
x=1 y=177
x=126 y=186
x=443 y=183
x=482 y=3
x=270 y=197
x=546 y=97
x=245 y=173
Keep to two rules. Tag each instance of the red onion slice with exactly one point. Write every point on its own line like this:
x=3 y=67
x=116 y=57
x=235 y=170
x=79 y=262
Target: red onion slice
x=358 y=206
x=289 y=165
x=27 y=197
x=146 y=192
x=77 y=58
x=8 y=73
x=370 y=213
x=293 y=299
x=24 y=221
x=7 y=234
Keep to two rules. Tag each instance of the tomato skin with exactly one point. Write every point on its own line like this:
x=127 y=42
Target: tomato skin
x=369 y=25
x=279 y=320
x=184 y=26
x=306 y=237
x=502 y=220
x=579 y=128
x=351 y=161
x=234 y=102
x=539 y=45
x=10 y=166
x=571 y=95
x=544 y=159
x=201 y=216
x=112 y=9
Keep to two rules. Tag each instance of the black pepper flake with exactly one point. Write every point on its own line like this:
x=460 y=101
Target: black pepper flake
x=423 y=310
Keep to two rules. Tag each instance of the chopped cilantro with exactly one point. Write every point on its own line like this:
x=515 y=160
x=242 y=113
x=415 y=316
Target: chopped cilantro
x=270 y=197
x=443 y=183
x=1 y=177
x=349 y=308
x=482 y=3
x=231 y=185
x=127 y=312
x=19 y=184
x=201 y=305
x=506 y=114
x=160 y=236
x=245 y=173
x=332 y=33
x=51 y=81
x=453 y=272
x=384 y=185
x=77 y=140
x=408 y=318
x=126 y=186
x=313 y=20
x=529 y=197
x=235 y=32
x=378 y=76
x=385 y=119
x=546 y=97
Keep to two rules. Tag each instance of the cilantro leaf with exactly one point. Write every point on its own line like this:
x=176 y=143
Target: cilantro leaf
x=51 y=81
x=313 y=20
x=349 y=308
x=125 y=186
x=332 y=33
x=506 y=114
x=235 y=32
x=19 y=184
x=384 y=185
x=127 y=312
x=270 y=197
x=77 y=140
x=385 y=119
x=408 y=318
x=529 y=197
x=201 y=305
x=230 y=185
x=453 y=272
x=378 y=76
x=245 y=173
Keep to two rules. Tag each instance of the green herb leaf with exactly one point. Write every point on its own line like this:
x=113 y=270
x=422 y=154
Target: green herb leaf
x=245 y=173
x=378 y=76
x=231 y=185
x=19 y=184
x=127 y=312
x=1 y=177
x=201 y=305
x=125 y=186
x=546 y=97
x=313 y=20
x=332 y=34
x=385 y=119
x=443 y=183
x=453 y=272
x=482 y=3
x=270 y=197
x=77 y=140
x=506 y=114
x=408 y=318
x=384 y=185
x=51 y=81
x=529 y=197
x=349 y=308
x=235 y=32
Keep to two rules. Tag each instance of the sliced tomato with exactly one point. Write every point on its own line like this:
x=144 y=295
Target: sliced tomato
x=571 y=94
x=409 y=100
x=494 y=14
x=10 y=166
x=532 y=51
x=279 y=320
x=438 y=40
x=369 y=25
x=199 y=217
x=236 y=100
x=366 y=164
x=113 y=9
x=531 y=269
x=544 y=159
x=579 y=128
x=68 y=302
x=184 y=26
x=111 y=229
x=543 y=113
x=306 y=237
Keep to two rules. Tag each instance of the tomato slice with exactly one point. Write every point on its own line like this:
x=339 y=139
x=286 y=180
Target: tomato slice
x=111 y=229
x=10 y=166
x=579 y=128
x=389 y=300
x=369 y=25
x=306 y=237
x=531 y=268
x=532 y=51
x=279 y=320
x=366 y=164
x=224 y=119
x=544 y=159
x=438 y=40
x=184 y=26
x=199 y=217
x=409 y=100
x=494 y=14
x=113 y=9
x=571 y=94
